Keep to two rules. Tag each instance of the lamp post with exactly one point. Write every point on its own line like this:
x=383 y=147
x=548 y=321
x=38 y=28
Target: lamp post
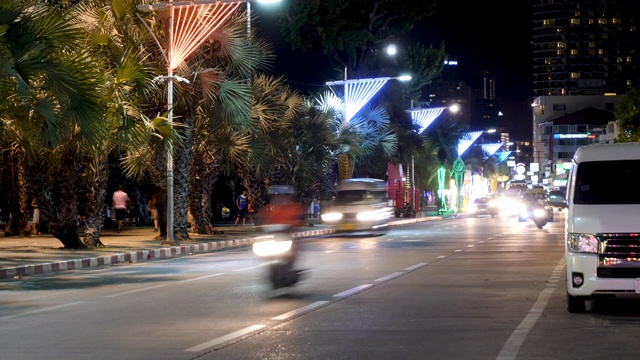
x=249 y=13
x=195 y=25
x=423 y=118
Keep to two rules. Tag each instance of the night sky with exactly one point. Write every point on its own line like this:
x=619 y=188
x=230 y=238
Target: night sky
x=480 y=35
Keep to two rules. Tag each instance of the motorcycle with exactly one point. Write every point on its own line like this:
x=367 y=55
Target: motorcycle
x=281 y=249
x=540 y=215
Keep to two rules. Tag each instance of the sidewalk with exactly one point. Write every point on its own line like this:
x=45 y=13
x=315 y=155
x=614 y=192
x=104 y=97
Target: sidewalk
x=22 y=256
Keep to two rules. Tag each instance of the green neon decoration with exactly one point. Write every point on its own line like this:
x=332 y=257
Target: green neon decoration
x=441 y=183
x=458 y=175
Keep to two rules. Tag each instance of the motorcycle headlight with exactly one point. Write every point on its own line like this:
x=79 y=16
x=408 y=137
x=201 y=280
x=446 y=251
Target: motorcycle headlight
x=271 y=247
x=539 y=213
x=582 y=243
x=334 y=216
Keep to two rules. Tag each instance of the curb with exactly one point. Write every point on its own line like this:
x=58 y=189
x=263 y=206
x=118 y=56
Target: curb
x=162 y=253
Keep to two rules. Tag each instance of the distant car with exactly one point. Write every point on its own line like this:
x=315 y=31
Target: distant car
x=557 y=199
x=483 y=206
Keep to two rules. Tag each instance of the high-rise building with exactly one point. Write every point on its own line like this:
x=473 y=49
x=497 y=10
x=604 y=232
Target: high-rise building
x=586 y=54
x=585 y=47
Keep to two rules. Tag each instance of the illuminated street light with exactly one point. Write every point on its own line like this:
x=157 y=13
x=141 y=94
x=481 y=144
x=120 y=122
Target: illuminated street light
x=190 y=23
x=249 y=13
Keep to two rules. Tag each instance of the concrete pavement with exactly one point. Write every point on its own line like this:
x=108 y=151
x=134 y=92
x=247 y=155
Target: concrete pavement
x=39 y=254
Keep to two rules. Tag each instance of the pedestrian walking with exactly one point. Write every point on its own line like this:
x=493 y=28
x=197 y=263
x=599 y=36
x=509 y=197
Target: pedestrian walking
x=120 y=201
x=242 y=202
x=152 y=206
x=316 y=207
x=35 y=219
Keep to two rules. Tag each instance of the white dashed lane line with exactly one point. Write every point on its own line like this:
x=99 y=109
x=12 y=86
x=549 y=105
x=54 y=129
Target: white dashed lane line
x=226 y=338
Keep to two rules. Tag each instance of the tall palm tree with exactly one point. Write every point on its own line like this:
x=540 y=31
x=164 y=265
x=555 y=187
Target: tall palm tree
x=360 y=136
x=129 y=60
x=49 y=105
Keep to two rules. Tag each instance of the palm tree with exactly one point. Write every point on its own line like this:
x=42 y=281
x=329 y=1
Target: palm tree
x=50 y=106
x=360 y=136
x=122 y=47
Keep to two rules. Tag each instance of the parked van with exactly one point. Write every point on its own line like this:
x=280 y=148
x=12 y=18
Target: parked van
x=360 y=205
x=603 y=224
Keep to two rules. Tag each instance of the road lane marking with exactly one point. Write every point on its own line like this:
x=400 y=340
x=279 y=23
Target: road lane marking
x=416 y=266
x=512 y=346
x=442 y=256
x=389 y=277
x=135 y=291
x=41 y=310
x=299 y=311
x=252 y=267
x=353 y=290
x=203 y=277
x=223 y=339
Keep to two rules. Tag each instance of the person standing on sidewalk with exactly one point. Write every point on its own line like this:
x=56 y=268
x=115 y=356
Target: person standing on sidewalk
x=120 y=201
x=153 y=210
x=242 y=202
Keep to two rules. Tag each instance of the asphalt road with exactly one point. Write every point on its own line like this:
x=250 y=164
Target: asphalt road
x=474 y=288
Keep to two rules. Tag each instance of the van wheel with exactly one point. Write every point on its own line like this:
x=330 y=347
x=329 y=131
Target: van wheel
x=576 y=304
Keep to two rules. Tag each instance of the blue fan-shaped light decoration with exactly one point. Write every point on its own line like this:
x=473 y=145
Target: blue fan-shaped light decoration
x=466 y=140
x=358 y=92
x=490 y=149
x=424 y=117
x=503 y=155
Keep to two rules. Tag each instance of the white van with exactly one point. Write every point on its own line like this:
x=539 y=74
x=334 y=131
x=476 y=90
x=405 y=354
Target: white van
x=603 y=224
x=360 y=205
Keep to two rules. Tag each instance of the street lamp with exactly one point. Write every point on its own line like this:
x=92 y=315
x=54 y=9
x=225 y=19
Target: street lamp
x=423 y=118
x=249 y=13
x=195 y=22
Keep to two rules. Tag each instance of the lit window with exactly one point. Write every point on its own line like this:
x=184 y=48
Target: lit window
x=628 y=59
x=601 y=52
x=560 y=45
x=560 y=52
x=602 y=21
x=574 y=52
x=575 y=21
x=616 y=21
x=590 y=21
x=575 y=75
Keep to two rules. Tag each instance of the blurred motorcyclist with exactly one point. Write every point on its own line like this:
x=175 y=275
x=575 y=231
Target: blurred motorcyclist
x=282 y=209
x=283 y=215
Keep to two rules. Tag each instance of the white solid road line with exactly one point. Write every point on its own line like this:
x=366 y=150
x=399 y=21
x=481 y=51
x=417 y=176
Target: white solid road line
x=135 y=291
x=41 y=310
x=203 y=277
x=225 y=338
x=416 y=266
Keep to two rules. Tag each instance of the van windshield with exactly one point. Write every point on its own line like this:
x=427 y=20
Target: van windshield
x=607 y=182
x=350 y=196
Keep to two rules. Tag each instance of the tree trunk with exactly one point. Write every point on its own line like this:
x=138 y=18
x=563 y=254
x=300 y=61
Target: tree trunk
x=96 y=177
x=63 y=222
x=181 y=182
x=345 y=166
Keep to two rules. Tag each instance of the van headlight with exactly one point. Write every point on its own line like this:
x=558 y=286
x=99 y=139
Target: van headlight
x=332 y=216
x=375 y=215
x=472 y=208
x=582 y=243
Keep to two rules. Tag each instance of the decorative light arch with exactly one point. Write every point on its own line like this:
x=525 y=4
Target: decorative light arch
x=424 y=117
x=490 y=149
x=467 y=140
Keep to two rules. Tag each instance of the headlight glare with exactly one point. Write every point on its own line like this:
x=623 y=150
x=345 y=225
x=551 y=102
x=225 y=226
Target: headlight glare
x=334 y=216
